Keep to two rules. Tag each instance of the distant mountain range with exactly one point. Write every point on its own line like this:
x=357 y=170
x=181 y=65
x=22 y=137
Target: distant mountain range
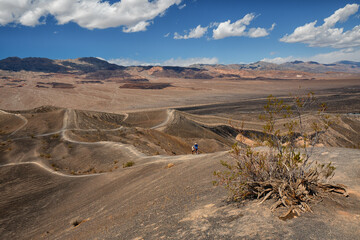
x=98 y=66
x=311 y=67
x=85 y=65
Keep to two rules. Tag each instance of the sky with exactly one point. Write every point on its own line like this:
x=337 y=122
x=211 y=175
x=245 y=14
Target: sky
x=182 y=32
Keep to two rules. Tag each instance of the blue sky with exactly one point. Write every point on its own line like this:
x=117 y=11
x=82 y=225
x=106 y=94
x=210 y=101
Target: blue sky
x=181 y=32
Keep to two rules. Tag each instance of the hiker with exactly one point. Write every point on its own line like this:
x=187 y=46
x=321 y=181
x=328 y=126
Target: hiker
x=192 y=149
x=196 y=146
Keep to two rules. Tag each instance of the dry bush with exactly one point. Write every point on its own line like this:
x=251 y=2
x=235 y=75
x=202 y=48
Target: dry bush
x=128 y=164
x=283 y=170
x=45 y=155
x=55 y=136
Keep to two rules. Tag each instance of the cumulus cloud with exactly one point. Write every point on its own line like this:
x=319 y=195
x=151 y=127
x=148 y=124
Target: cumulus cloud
x=170 y=62
x=257 y=32
x=239 y=28
x=228 y=29
x=327 y=35
x=349 y=54
x=134 y=15
x=197 y=32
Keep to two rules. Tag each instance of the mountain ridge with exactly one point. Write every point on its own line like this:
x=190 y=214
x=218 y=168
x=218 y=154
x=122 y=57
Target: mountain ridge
x=93 y=64
x=310 y=66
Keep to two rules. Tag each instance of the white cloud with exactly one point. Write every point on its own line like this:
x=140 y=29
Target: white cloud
x=343 y=54
x=182 y=6
x=130 y=62
x=170 y=62
x=279 y=60
x=341 y=15
x=257 y=32
x=189 y=61
x=331 y=57
x=272 y=27
x=213 y=24
x=134 y=15
x=166 y=35
x=139 y=27
x=238 y=29
x=327 y=35
x=197 y=32
x=228 y=29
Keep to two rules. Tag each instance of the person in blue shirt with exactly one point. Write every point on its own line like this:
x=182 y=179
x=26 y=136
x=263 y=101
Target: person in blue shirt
x=196 y=147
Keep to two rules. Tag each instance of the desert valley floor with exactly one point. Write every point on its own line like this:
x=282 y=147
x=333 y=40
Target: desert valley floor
x=63 y=149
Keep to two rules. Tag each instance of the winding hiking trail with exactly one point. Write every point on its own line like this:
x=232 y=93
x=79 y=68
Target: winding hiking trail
x=70 y=119
x=46 y=168
x=19 y=116
x=70 y=116
x=170 y=116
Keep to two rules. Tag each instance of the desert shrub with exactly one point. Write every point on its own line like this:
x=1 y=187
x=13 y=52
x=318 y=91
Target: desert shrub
x=282 y=169
x=45 y=155
x=128 y=164
x=55 y=136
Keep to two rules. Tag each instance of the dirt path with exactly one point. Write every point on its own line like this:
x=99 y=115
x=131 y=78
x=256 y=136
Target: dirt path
x=129 y=150
x=169 y=118
x=181 y=158
x=19 y=116
x=126 y=116
x=46 y=168
x=69 y=115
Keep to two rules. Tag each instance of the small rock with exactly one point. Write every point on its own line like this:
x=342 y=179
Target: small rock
x=170 y=165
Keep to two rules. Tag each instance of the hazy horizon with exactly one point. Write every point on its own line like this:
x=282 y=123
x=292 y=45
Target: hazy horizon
x=172 y=63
